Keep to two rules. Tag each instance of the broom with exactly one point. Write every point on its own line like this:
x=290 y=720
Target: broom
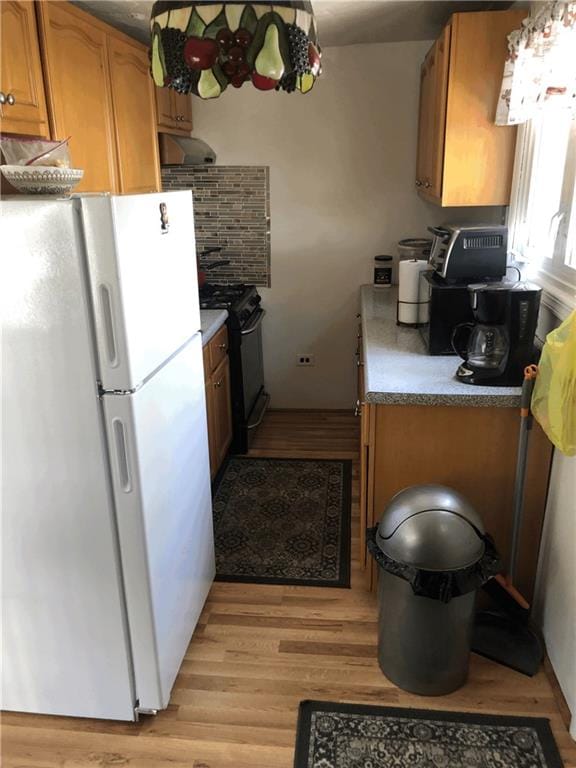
x=505 y=636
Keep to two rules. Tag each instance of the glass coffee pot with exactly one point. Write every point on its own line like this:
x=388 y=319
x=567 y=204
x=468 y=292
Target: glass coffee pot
x=483 y=347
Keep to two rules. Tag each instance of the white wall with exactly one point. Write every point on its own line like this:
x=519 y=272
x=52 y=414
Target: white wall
x=342 y=165
x=555 y=599
x=555 y=604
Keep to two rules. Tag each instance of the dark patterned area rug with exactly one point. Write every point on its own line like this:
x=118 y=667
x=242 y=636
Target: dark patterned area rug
x=356 y=736
x=283 y=521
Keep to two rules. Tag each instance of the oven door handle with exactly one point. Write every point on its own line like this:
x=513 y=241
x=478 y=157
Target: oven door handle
x=255 y=324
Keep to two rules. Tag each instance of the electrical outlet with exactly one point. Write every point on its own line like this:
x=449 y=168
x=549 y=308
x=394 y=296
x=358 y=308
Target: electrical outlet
x=306 y=359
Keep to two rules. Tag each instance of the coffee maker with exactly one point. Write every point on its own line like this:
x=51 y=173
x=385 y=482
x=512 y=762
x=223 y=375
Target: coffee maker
x=499 y=344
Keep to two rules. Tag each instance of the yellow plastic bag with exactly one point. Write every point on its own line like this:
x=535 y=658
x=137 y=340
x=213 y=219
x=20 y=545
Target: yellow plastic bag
x=554 y=397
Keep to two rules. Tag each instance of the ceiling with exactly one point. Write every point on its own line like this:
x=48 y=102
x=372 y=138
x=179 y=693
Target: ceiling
x=340 y=22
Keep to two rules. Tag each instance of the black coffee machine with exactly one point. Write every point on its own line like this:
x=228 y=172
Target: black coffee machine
x=500 y=343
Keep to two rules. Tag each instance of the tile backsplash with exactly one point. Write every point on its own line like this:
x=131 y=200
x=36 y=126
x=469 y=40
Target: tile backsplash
x=232 y=210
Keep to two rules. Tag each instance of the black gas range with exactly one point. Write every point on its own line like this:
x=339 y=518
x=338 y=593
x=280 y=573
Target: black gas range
x=245 y=316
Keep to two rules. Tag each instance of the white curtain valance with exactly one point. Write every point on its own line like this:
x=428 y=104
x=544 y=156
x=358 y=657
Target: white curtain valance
x=540 y=68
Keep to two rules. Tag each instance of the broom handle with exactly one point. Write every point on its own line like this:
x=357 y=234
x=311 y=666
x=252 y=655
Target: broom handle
x=530 y=373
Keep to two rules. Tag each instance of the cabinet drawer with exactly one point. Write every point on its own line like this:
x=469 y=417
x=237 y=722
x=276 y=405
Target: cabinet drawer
x=218 y=348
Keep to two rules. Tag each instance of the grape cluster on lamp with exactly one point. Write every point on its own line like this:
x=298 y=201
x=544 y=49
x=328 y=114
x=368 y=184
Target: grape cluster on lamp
x=203 y=47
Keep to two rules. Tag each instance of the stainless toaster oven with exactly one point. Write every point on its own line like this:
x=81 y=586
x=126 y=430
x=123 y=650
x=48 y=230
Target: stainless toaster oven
x=465 y=253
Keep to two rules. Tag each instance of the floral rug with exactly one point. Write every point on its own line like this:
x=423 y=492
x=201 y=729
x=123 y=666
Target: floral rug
x=283 y=521
x=355 y=736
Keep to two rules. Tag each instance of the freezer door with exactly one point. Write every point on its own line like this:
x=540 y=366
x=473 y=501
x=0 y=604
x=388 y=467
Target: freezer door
x=160 y=465
x=143 y=277
x=65 y=645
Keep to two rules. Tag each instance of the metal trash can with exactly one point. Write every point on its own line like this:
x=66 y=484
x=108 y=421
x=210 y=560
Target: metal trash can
x=433 y=555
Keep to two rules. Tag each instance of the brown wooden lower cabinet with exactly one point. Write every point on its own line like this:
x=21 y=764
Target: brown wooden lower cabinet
x=218 y=400
x=222 y=409
x=470 y=449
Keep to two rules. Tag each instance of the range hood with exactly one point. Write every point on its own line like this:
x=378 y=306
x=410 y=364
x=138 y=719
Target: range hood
x=183 y=150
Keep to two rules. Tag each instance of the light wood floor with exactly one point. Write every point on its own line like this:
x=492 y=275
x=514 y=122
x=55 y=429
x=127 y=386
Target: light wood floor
x=260 y=650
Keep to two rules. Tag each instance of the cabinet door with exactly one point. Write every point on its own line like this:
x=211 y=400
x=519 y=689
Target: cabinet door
x=222 y=410
x=424 y=119
x=76 y=68
x=21 y=71
x=479 y=157
x=164 y=107
x=432 y=118
x=209 y=389
x=183 y=111
x=134 y=117
x=439 y=87
x=174 y=111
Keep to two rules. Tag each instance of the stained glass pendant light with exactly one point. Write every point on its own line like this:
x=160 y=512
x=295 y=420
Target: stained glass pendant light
x=203 y=47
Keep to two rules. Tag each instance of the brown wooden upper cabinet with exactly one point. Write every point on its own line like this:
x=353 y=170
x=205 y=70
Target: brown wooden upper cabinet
x=173 y=111
x=101 y=94
x=134 y=116
x=75 y=52
x=22 y=99
x=463 y=157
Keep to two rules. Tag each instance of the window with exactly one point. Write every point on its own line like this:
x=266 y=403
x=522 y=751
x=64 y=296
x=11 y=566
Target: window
x=543 y=206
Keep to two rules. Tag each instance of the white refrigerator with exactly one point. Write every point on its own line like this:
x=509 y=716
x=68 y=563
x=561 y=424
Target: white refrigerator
x=107 y=541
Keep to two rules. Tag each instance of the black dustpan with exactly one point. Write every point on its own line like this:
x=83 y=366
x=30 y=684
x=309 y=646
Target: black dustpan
x=507 y=641
x=505 y=634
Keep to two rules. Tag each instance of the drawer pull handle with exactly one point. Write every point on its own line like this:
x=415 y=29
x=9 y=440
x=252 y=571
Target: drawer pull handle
x=10 y=99
x=2 y=97
x=221 y=346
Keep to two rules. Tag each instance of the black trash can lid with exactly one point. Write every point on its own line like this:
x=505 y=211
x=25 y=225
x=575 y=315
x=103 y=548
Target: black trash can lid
x=431 y=527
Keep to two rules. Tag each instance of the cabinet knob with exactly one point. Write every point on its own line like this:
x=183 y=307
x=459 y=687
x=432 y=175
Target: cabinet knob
x=2 y=97
x=427 y=185
x=10 y=99
x=221 y=346
x=418 y=183
x=218 y=384
x=357 y=408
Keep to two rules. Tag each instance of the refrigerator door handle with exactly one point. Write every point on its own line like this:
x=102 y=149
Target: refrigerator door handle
x=108 y=319
x=122 y=455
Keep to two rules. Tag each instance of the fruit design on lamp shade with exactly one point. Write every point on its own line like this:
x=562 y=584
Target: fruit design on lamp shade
x=269 y=62
x=200 y=52
x=203 y=47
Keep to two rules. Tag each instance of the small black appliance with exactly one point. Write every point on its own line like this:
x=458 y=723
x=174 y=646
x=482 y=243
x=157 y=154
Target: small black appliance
x=467 y=253
x=444 y=306
x=499 y=344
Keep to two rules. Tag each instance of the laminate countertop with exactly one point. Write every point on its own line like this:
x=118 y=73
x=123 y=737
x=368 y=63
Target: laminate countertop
x=211 y=320
x=399 y=371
